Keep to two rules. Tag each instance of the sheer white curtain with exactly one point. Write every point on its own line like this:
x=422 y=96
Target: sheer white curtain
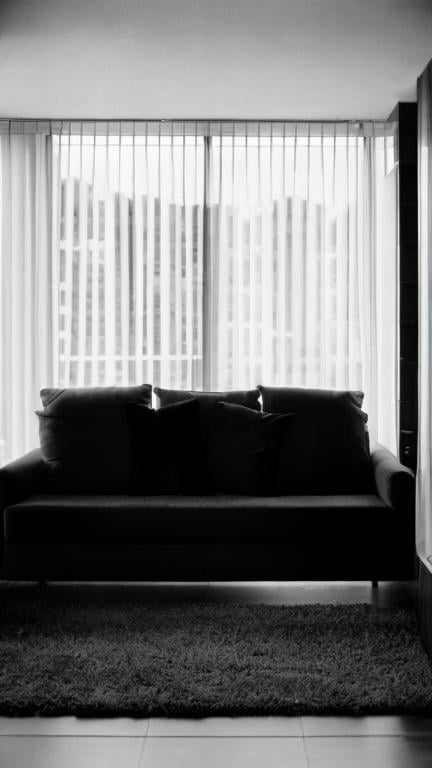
x=130 y=254
x=197 y=255
x=26 y=342
x=378 y=287
x=424 y=466
x=297 y=246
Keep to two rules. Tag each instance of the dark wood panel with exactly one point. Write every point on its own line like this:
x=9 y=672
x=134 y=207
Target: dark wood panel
x=408 y=262
x=407 y=112
x=408 y=414
x=405 y=115
x=408 y=447
x=409 y=303
x=408 y=221
x=408 y=141
x=408 y=183
x=409 y=342
x=408 y=381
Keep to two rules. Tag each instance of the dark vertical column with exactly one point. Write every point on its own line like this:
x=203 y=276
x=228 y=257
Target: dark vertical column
x=405 y=114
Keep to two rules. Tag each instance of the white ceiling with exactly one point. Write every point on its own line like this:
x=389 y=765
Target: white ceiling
x=211 y=58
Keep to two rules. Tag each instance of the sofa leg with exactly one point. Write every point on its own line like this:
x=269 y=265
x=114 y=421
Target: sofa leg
x=374 y=584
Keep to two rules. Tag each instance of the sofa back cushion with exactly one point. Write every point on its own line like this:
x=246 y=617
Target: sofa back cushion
x=327 y=447
x=243 y=447
x=84 y=437
x=208 y=400
x=167 y=452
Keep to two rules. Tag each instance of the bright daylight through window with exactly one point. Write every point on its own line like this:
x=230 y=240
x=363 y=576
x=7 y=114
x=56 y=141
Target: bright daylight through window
x=206 y=255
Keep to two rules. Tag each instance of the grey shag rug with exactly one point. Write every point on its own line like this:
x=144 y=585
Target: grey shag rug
x=194 y=660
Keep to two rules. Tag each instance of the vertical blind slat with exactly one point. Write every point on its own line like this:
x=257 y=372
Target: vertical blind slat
x=110 y=282
x=80 y=282
x=125 y=214
x=138 y=258
x=68 y=276
x=95 y=266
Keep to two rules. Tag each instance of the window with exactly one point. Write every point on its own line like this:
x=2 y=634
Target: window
x=217 y=258
x=130 y=259
x=198 y=255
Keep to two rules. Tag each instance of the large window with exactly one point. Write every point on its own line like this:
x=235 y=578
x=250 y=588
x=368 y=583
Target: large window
x=199 y=255
x=130 y=258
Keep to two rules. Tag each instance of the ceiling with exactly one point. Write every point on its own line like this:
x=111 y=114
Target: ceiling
x=291 y=59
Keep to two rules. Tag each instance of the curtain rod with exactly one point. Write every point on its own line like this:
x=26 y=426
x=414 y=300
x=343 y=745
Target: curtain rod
x=189 y=120
x=232 y=128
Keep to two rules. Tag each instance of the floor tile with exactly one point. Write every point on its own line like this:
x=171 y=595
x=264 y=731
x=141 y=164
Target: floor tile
x=69 y=752
x=369 y=752
x=383 y=725
x=226 y=726
x=223 y=753
x=72 y=726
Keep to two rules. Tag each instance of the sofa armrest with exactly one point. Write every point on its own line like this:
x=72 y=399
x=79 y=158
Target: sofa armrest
x=21 y=478
x=395 y=483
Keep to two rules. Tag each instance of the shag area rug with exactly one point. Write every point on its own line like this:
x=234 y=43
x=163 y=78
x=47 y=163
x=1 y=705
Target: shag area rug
x=193 y=660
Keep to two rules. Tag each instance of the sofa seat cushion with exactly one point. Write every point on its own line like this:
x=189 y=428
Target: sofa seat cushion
x=218 y=519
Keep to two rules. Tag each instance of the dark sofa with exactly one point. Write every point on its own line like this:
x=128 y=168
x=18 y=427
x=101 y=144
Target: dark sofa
x=289 y=534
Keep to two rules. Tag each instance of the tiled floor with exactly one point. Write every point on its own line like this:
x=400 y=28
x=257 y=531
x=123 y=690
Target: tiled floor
x=264 y=742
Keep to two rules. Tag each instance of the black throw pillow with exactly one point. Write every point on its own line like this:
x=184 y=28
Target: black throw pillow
x=84 y=437
x=242 y=449
x=249 y=398
x=327 y=451
x=167 y=451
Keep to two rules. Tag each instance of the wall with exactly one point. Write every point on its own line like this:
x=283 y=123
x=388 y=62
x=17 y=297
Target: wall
x=206 y=58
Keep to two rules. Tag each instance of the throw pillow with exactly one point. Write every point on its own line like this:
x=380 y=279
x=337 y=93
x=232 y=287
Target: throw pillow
x=167 y=452
x=327 y=450
x=208 y=400
x=242 y=449
x=84 y=437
